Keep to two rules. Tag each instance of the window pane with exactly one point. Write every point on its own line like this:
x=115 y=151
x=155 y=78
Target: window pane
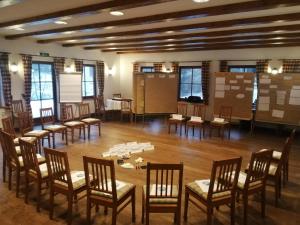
x=197 y=76
x=35 y=73
x=186 y=75
x=250 y=70
x=35 y=106
x=35 y=91
x=89 y=88
x=147 y=69
x=185 y=90
x=83 y=89
x=88 y=73
x=197 y=90
x=237 y=70
x=47 y=104
x=46 y=72
x=46 y=90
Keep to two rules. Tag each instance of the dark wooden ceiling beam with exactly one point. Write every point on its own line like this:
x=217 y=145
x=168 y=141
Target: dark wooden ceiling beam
x=248 y=38
x=294 y=27
x=109 y=5
x=216 y=10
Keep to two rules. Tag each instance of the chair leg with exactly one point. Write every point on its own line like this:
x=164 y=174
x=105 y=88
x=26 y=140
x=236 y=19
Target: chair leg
x=84 y=132
x=49 y=142
x=4 y=168
x=9 y=177
x=89 y=131
x=245 y=204
x=133 y=206
x=114 y=216
x=178 y=215
x=169 y=128
x=70 y=208
x=186 y=205
x=105 y=210
x=99 y=129
x=209 y=213
x=66 y=133
x=143 y=209
x=72 y=135
x=51 y=201
x=88 y=210
x=263 y=202
x=18 y=182
x=232 y=211
x=26 y=188
x=147 y=217
x=39 y=188
x=53 y=139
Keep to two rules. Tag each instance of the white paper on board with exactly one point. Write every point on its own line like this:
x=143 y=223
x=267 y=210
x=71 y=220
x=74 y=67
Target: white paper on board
x=287 y=77
x=281 y=93
x=162 y=76
x=264 y=91
x=280 y=100
x=297 y=87
x=226 y=87
x=233 y=82
x=220 y=87
x=265 y=81
x=220 y=80
x=235 y=87
x=273 y=86
x=264 y=100
x=294 y=101
x=249 y=89
x=239 y=76
x=150 y=76
x=295 y=93
x=240 y=96
x=265 y=76
x=277 y=113
x=247 y=81
x=219 y=94
x=172 y=76
x=263 y=107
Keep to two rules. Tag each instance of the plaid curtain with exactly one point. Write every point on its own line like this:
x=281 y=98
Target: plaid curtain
x=27 y=64
x=78 y=65
x=6 y=79
x=59 y=64
x=157 y=67
x=261 y=67
x=175 y=67
x=223 y=66
x=205 y=81
x=136 y=67
x=100 y=77
x=291 y=66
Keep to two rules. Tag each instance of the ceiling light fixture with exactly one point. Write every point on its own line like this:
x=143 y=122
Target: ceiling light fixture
x=200 y=1
x=60 y=22
x=169 y=31
x=116 y=13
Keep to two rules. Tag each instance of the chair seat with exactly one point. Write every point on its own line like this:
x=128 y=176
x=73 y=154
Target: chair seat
x=37 y=133
x=43 y=169
x=276 y=155
x=216 y=123
x=171 y=199
x=39 y=157
x=73 y=123
x=16 y=141
x=242 y=180
x=55 y=127
x=29 y=139
x=201 y=188
x=273 y=168
x=193 y=122
x=122 y=189
x=78 y=180
x=90 y=120
x=18 y=150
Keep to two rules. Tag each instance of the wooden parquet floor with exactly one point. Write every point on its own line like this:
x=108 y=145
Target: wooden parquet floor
x=197 y=157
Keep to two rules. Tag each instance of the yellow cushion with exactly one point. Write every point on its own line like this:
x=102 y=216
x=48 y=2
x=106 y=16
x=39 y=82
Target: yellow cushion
x=276 y=155
x=43 y=169
x=219 y=123
x=90 y=120
x=39 y=157
x=273 y=168
x=242 y=180
x=78 y=180
x=37 y=133
x=201 y=188
x=55 y=127
x=28 y=139
x=170 y=199
x=73 y=123
x=18 y=150
x=16 y=141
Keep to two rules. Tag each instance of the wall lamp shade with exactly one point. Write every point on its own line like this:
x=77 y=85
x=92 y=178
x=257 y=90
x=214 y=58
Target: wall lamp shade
x=110 y=71
x=68 y=69
x=14 y=68
x=274 y=71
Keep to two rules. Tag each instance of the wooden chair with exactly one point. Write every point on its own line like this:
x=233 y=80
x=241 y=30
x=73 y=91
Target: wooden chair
x=225 y=113
x=34 y=171
x=104 y=189
x=220 y=189
x=8 y=127
x=164 y=194
x=85 y=116
x=99 y=107
x=117 y=95
x=62 y=180
x=48 y=123
x=126 y=109
x=181 y=110
x=4 y=155
x=26 y=128
x=254 y=181
x=199 y=111
x=67 y=118
x=17 y=107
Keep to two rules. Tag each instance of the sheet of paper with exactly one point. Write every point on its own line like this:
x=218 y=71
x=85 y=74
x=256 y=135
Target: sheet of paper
x=264 y=91
x=265 y=76
x=172 y=76
x=150 y=76
x=220 y=87
x=196 y=119
x=277 y=113
x=281 y=93
x=295 y=93
x=297 y=87
x=239 y=76
x=233 y=82
x=264 y=99
x=240 y=96
x=263 y=107
x=235 y=87
x=273 y=86
x=219 y=94
x=220 y=80
x=247 y=81
x=280 y=100
x=162 y=76
x=249 y=89
x=265 y=81
x=226 y=87
x=294 y=101
x=287 y=77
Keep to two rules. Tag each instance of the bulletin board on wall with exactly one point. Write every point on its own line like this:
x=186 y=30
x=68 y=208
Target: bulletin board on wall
x=139 y=93
x=279 y=99
x=70 y=87
x=235 y=90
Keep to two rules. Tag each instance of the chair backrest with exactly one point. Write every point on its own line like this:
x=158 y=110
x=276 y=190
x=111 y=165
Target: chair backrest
x=224 y=177
x=8 y=148
x=164 y=181
x=25 y=122
x=99 y=104
x=284 y=154
x=8 y=127
x=58 y=167
x=3 y=145
x=258 y=168
x=84 y=110
x=225 y=112
x=102 y=174
x=126 y=105
x=67 y=113
x=30 y=160
x=292 y=135
x=117 y=95
x=182 y=108
x=17 y=106
x=47 y=116
x=199 y=110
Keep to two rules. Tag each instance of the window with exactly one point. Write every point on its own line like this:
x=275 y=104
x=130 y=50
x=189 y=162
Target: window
x=246 y=69
x=88 y=81
x=42 y=88
x=147 y=69
x=190 y=82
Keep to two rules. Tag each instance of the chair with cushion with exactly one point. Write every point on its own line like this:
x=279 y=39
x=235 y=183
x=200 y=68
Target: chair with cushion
x=85 y=116
x=48 y=123
x=67 y=118
x=163 y=190
x=103 y=188
x=17 y=107
x=254 y=181
x=26 y=128
x=126 y=109
x=99 y=107
x=34 y=171
x=220 y=189
x=179 y=118
x=62 y=180
x=222 y=122
x=196 y=119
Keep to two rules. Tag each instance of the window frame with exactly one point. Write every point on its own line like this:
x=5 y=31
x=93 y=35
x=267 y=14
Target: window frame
x=147 y=67
x=94 y=81
x=179 y=81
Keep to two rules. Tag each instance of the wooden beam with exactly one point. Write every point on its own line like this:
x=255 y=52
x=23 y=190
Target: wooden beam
x=293 y=27
x=216 y=10
x=109 y=5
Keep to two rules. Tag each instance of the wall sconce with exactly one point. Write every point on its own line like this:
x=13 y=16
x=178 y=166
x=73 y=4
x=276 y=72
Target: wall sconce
x=274 y=71
x=168 y=70
x=68 y=69
x=14 y=68
x=110 y=71
x=275 y=67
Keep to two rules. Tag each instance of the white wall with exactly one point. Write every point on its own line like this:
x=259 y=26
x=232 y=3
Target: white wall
x=127 y=60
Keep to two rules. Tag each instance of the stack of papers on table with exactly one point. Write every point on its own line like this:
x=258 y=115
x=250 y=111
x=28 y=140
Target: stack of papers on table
x=128 y=148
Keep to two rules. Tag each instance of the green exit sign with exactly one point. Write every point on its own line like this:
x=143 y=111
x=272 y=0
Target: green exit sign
x=45 y=54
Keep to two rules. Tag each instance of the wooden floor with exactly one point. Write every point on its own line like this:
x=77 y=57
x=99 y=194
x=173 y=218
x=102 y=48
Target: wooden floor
x=197 y=157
